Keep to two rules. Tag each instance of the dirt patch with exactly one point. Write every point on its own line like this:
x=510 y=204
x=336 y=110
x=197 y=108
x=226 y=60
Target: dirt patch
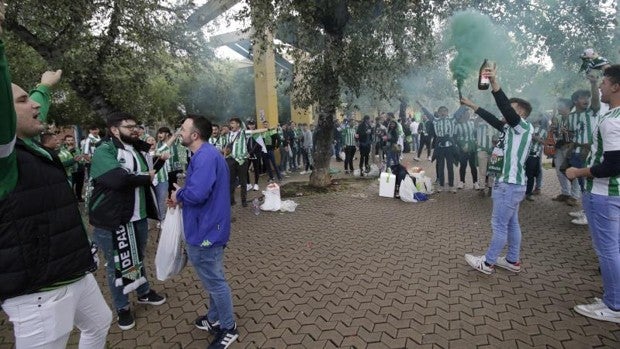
x=299 y=189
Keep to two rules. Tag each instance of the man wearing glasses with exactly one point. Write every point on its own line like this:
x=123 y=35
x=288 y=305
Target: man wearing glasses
x=122 y=200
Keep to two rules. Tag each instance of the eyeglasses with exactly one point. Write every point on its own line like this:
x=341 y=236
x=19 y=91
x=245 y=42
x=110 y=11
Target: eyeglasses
x=130 y=127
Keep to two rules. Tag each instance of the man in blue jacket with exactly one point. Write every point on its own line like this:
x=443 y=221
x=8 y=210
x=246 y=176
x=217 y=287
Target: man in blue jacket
x=206 y=220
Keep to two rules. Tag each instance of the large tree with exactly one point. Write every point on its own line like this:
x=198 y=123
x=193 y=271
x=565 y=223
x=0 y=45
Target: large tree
x=344 y=46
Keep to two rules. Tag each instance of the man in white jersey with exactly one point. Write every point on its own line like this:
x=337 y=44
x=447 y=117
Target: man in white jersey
x=601 y=201
x=508 y=158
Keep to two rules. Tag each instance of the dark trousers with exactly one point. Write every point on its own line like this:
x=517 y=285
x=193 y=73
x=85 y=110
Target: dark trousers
x=443 y=155
x=364 y=157
x=77 y=180
x=269 y=160
x=306 y=155
x=532 y=171
x=172 y=179
x=425 y=140
x=240 y=171
x=349 y=153
x=470 y=158
x=255 y=162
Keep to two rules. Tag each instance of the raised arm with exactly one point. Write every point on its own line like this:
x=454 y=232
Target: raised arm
x=595 y=101
x=484 y=114
x=8 y=124
x=41 y=93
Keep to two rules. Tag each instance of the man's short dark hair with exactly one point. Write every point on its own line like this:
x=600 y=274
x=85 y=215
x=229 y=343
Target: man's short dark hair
x=164 y=130
x=613 y=73
x=216 y=126
x=202 y=125
x=251 y=122
x=68 y=136
x=93 y=127
x=565 y=102
x=580 y=93
x=523 y=104
x=117 y=118
x=237 y=120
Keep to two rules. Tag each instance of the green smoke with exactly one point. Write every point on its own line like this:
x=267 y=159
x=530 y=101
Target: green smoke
x=474 y=37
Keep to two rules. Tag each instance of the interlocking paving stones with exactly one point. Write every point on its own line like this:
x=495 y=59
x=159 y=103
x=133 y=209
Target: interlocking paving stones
x=350 y=272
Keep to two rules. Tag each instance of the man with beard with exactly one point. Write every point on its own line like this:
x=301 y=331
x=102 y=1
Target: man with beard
x=122 y=200
x=206 y=217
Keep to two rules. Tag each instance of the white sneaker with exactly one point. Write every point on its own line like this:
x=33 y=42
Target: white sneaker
x=476 y=186
x=477 y=262
x=577 y=214
x=248 y=187
x=453 y=189
x=580 y=221
x=430 y=158
x=256 y=188
x=416 y=159
x=461 y=185
x=598 y=310
x=439 y=189
x=302 y=172
x=503 y=263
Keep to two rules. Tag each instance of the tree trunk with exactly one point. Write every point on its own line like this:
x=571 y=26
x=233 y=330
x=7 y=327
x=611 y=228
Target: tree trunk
x=322 y=154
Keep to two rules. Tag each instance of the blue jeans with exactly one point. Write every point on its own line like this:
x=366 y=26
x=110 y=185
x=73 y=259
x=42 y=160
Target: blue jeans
x=104 y=239
x=161 y=191
x=505 y=221
x=209 y=265
x=269 y=160
x=603 y=213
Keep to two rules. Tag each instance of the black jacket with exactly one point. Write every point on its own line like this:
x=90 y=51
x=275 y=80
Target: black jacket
x=42 y=237
x=113 y=197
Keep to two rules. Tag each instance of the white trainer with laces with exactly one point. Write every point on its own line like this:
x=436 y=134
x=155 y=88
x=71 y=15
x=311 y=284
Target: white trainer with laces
x=461 y=185
x=256 y=188
x=477 y=262
x=577 y=214
x=599 y=311
x=504 y=264
x=580 y=221
x=476 y=186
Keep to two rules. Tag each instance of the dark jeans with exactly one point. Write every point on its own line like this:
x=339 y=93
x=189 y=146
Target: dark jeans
x=172 y=179
x=364 y=157
x=269 y=160
x=77 y=180
x=255 y=162
x=532 y=171
x=470 y=158
x=349 y=153
x=240 y=171
x=425 y=140
x=443 y=155
x=306 y=155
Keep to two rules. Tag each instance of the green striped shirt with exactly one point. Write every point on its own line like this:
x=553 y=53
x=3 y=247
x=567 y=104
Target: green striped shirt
x=607 y=138
x=162 y=174
x=536 y=147
x=348 y=137
x=239 y=151
x=515 y=151
x=465 y=134
x=444 y=127
x=584 y=123
x=484 y=137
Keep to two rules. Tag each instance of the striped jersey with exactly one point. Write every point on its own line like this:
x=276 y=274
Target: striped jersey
x=348 y=136
x=162 y=174
x=516 y=145
x=584 y=123
x=606 y=138
x=536 y=147
x=484 y=136
x=444 y=127
x=465 y=133
x=236 y=143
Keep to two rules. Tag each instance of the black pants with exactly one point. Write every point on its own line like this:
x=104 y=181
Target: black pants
x=470 y=158
x=443 y=155
x=532 y=171
x=364 y=157
x=349 y=153
x=255 y=162
x=172 y=179
x=77 y=180
x=240 y=171
x=425 y=140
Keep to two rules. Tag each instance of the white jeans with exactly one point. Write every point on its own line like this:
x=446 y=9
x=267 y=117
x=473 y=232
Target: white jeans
x=45 y=319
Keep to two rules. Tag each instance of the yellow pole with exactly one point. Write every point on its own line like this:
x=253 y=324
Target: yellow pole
x=265 y=82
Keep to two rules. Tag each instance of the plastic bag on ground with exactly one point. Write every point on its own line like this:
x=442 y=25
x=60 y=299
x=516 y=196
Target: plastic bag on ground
x=356 y=173
x=288 y=206
x=171 y=257
x=272 y=198
x=374 y=171
x=424 y=184
x=407 y=190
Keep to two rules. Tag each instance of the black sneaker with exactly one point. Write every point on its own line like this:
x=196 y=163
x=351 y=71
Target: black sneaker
x=152 y=298
x=225 y=338
x=203 y=323
x=125 y=320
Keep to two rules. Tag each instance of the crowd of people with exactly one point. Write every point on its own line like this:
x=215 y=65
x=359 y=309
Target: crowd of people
x=46 y=281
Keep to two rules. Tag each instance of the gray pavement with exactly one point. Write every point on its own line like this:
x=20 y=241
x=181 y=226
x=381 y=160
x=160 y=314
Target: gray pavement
x=360 y=271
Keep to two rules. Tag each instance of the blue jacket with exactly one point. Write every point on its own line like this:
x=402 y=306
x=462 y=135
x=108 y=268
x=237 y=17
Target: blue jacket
x=206 y=199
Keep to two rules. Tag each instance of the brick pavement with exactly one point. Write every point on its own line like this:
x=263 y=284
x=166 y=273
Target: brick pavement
x=348 y=271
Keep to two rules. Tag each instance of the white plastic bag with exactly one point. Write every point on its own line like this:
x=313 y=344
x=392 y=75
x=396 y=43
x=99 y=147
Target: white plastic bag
x=424 y=184
x=288 y=206
x=171 y=256
x=272 y=198
x=374 y=171
x=407 y=189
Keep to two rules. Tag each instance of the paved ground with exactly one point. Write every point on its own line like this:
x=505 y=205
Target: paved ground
x=348 y=270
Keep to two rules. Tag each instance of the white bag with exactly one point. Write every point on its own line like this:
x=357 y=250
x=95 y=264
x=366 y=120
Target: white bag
x=288 y=206
x=387 y=185
x=171 y=256
x=407 y=189
x=272 y=198
x=374 y=171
